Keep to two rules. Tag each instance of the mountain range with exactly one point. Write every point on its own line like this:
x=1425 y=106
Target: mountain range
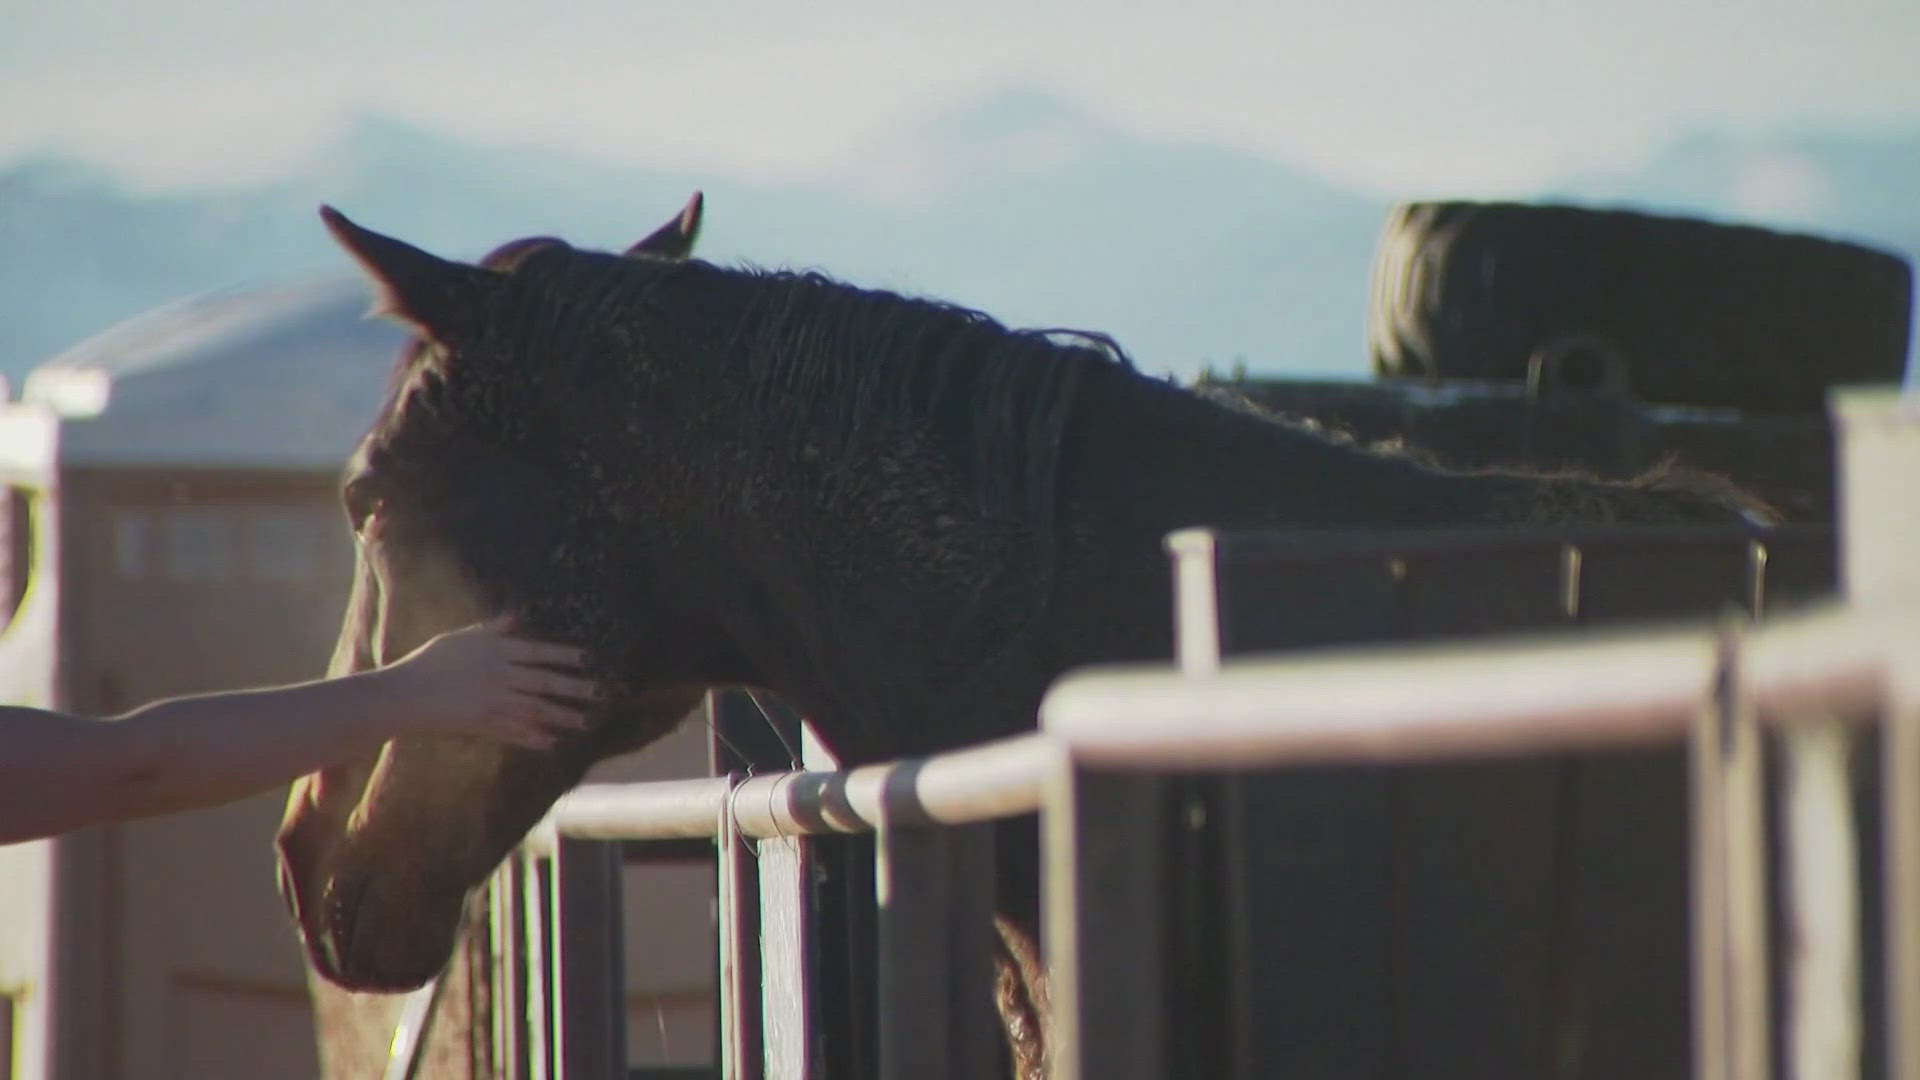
x=1017 y=203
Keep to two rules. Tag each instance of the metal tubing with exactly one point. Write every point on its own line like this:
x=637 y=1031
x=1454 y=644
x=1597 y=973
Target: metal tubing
x=1744 y=834
x=935 y=897
x=983 y=783
x=1879 y=443
x=536 y=913
x=1730 y=984
x=1439 y=703
x=1371 y=705
x=1196 y=600
x=1707 y=793
x=1900 y=785
x=588 y=984
x=1103 y=915
x=742 y=1048
x=788 y=1012
x=409 y=1036
x=1822 y=945
x=510 y=971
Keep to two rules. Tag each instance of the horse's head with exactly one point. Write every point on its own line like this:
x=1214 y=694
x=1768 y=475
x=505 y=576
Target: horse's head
x=471 y=497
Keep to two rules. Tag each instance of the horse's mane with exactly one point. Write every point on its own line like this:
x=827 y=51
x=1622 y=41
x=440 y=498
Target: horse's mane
x=856 y=372
x=858 y=368
x=800 y=358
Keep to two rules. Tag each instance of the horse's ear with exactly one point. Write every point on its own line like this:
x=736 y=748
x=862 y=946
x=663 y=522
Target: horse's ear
x=674 y=240
x=434 y=296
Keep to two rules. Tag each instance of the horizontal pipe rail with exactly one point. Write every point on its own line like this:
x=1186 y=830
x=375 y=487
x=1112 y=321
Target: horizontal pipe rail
x=1579 y=691
x=993 y=780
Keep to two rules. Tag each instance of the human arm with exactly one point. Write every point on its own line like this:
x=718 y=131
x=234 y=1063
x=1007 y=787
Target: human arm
x=58 y=772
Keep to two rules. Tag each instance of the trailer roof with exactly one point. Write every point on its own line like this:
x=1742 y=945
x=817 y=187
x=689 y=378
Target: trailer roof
x=286 y=376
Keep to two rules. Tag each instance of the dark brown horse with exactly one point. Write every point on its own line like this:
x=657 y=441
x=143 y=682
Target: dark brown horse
x=900 y=516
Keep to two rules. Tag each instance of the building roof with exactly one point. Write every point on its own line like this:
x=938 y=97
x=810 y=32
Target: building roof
x=288 y=376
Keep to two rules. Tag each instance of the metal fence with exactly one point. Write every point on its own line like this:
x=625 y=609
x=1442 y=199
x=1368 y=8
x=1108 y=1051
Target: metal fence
x=1763 y=946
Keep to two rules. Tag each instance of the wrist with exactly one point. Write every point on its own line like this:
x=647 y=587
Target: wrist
x=389 y=701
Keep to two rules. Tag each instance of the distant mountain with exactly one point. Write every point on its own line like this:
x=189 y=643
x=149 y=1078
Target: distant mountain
x=1018 y=203
x=1032 y=210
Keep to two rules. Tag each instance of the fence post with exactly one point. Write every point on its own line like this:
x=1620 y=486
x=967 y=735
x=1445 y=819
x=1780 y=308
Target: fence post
x=1103 y=856
x=742 y=1049
x=789 y=944
x=785 y=1010
x=1900 y=790
x=537 y=1005
x=1821 y=948
x=935 y=893
x=1102 y=917
x=1879 y=435
x=589 y=983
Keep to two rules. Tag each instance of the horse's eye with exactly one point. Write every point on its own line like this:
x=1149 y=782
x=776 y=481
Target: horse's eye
x=362 y=500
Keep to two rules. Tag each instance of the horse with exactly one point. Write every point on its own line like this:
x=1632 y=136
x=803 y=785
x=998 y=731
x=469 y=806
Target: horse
x=897 y=514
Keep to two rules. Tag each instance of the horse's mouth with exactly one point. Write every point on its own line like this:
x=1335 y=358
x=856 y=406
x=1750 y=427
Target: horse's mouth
x=359 y=947
x=332 y=944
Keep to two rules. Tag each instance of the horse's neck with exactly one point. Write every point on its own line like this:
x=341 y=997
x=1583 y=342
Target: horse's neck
x=1144 y=459
x=1148 y=459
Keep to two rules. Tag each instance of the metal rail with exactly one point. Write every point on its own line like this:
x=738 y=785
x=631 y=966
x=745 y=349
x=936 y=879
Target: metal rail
x=1584 y=691
x=1711 y=687
x=1429 y=704
x=983 y=783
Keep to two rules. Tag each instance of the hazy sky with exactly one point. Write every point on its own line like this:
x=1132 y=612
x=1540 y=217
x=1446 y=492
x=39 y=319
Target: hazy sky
x=1475 y=97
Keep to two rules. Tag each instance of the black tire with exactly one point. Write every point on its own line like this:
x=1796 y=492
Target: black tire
x=1692 y=313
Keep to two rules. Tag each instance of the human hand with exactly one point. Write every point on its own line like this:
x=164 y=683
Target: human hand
x=482 y=681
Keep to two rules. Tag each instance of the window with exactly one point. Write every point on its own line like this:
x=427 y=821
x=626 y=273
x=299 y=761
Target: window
x=133 y=543
x=200 y=544
x=286 y=543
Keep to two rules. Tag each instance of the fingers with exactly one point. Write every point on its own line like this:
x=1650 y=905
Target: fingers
x=529 y=722
x=546 y=653
x=526 y=680
x=538 y=723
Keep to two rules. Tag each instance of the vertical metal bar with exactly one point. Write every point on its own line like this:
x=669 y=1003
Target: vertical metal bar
x=934 y=889
x=1748 y=983
x=1102 y=913
x=787 y=1023
x=1731 y=988
x=1207 y=957
x=509 y=926
x=1710 y=1007
x=1879 y=444
x=742 y=1047
x=1822 y=902
x=909 y=877
x=590 y=1024
x=1237 y=831
x=536 y=917
x=1879 y=440
x=1900 y=785
x=409 y=1044
x=504 y=1008
x=1196 y=600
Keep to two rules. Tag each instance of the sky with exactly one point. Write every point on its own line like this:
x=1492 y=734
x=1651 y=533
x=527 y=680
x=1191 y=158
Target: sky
x=1393 y=97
